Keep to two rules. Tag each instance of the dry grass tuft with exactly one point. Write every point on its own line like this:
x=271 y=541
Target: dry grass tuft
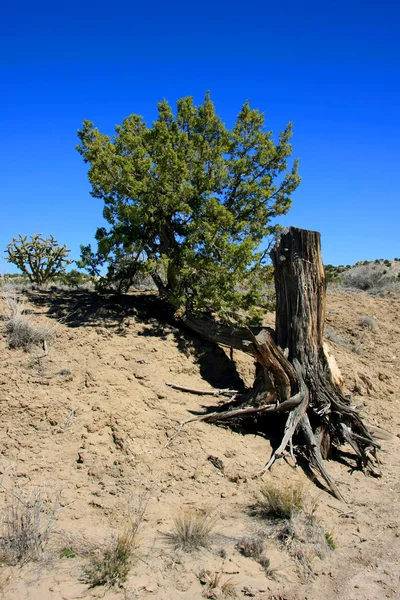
x=280 y=501
x=111 y=564
x=251 y=546
x=216 y=587
x=304 y=538
x=192 y=530
x=21 y=332
x=368 y=323
x=27 y=526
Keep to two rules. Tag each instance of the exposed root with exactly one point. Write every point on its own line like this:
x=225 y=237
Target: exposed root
x=215 y=392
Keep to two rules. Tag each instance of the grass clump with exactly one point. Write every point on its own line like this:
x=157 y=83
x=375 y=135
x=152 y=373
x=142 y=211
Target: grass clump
x=368 y=323
x=111 y=564
x=304 y=538
x=280 y=501
x=22 y=333
x=215 y=586
x=192 y=530
x=27 y=527
x=253 y=547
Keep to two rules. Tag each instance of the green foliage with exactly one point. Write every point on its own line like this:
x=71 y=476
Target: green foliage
x=111 y=564
x=67 y=553
x=41 y=259
x=189 y=202
x=75 y=278
x=330 y=540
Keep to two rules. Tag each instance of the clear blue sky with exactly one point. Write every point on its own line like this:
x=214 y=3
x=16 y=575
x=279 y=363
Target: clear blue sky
x=331 y=67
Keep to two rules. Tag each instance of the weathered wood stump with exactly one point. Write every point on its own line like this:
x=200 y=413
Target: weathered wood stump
x=295 y=373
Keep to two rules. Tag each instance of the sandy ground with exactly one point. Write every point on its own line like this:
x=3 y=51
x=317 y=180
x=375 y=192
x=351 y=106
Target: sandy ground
x=94 y=421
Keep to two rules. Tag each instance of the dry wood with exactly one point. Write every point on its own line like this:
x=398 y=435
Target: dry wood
x=214 y=392
x=296 y=371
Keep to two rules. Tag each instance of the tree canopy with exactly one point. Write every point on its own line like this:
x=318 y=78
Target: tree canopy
x=189 y=202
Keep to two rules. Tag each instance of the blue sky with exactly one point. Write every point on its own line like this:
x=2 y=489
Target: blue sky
x=331 y=68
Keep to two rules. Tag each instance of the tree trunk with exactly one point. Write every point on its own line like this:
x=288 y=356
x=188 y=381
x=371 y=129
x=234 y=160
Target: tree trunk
x=295 y=374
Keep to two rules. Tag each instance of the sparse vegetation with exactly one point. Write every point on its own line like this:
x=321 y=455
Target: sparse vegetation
x=22 y=333
x=110 y=564
x=254 y=547
x=304 y=538
x=368 y=323
x=216 y=587
x=20 y=330
x=364 y=277
x=251 y=546
x=67 y=553
x=28 y=524
x=192 y=529
x=279 y=501
x=40 y=259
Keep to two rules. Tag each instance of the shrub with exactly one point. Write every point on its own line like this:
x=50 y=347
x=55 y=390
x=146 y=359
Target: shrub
x=74 y=278
x=365 y=277
x=22 y=333
x=253 y=547
x=192 y=530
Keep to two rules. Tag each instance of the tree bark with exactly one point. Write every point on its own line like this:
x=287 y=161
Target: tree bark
x=294 y=373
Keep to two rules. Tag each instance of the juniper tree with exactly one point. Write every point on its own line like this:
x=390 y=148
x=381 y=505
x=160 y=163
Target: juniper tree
x=190 y=201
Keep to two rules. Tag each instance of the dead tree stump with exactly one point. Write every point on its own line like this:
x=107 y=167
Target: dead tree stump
x=295 y=373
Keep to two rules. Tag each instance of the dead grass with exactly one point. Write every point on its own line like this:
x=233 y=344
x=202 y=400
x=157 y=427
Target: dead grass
x=192 y=530
x=368 y=323
x=20 y=330
x=254 y=547
x=305 y=539
x=22 y=333
x=28 y=524
x=279 y=501
x=215 y=586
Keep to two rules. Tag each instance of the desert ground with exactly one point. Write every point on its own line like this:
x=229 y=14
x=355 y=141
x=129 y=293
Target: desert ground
x=91 y=425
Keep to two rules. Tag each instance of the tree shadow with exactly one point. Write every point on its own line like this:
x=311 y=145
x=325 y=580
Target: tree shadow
x=78 y=308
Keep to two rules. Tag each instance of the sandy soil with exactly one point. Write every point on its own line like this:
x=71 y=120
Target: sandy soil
x=94 y=419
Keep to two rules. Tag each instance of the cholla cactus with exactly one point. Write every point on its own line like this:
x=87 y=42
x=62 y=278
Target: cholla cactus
x=39 y=258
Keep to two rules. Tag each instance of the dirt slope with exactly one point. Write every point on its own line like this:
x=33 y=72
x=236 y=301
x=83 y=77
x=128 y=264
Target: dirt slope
x=94 y=418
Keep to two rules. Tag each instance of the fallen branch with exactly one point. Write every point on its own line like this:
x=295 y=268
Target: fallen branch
x=215 y=392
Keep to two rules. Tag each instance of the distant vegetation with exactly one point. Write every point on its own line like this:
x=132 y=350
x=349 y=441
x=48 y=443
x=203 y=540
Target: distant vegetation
x=40 y=259
x=365 y=275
